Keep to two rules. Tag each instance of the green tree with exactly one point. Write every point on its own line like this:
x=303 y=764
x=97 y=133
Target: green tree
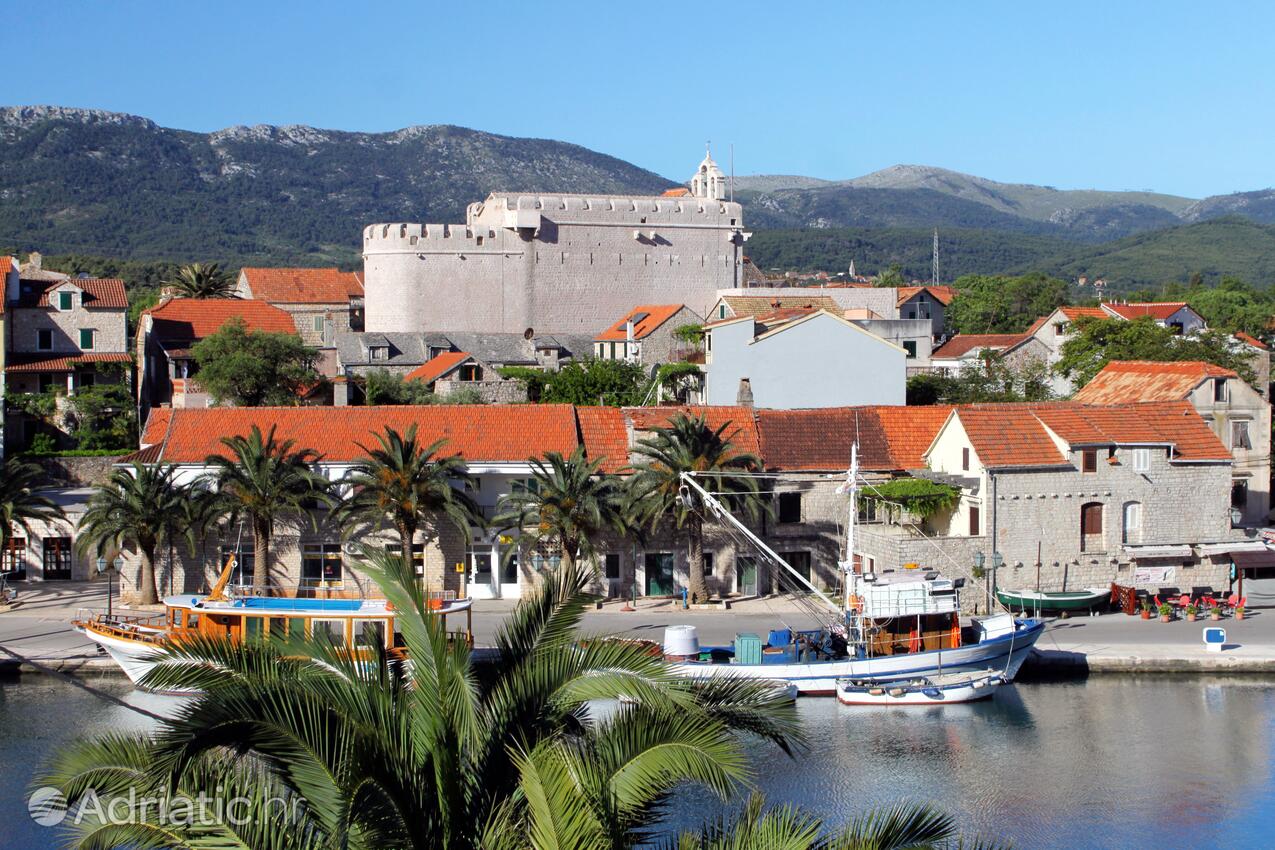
x=893 y=276
x=1097 y=342
x=23 y=499
x=656 y=492
x=143 y=507
x=103 y=416
x=1233 y=305
x=987 y=304
x=435 y=754
x=268 y=481
x=381 y=386
x=993 y=379
x=588 y=382
x=253 y=368
x=568 y=505
x=410 y=486
x=203 y=280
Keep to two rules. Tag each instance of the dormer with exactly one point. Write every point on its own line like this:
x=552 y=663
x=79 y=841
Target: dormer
x=66 y=297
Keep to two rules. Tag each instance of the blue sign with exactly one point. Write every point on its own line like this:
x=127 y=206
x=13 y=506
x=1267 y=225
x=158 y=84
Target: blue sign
x=1214 y=635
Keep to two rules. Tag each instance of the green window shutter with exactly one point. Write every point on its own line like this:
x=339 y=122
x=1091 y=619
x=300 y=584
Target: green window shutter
x=86 y=339
x=65 y=300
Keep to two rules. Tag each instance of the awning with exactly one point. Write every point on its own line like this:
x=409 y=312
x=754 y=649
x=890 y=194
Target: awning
x=1248 y=560
x=1237 y=546
x=1139 y=553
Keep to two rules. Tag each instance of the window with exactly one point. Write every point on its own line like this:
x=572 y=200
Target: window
x=318 y=324
x=721 y=311
x=13 y=558
x=1089 y=460
x=1239 y=435
x=418 y=555
x=321 y=565
x=800 y=562
x=245 y=562
x=1239 y=493
x=44 y=339
x=87 y=379
x=66 y=300
x=965 y=459
x=471 y=372
x=47 y=381
x=379 y=352
x=1219 y=389
x=911 y=313
x=87 y=336
x=57 y=559
x=975 y=524
x=1141 y=460
x=789 y=507
x=909 y=345
x=1132 y=531
x=333 y=630
x=613 y=565
x=1090 y=524
x=1060 y=328
x=369 y=633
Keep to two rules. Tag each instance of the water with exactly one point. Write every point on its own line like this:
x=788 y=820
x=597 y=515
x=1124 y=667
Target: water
x=1110 y=762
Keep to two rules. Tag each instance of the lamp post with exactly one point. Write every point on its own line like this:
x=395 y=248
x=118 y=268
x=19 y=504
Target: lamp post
x=110 y=568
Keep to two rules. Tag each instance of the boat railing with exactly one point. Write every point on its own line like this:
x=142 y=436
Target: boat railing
x=139 y=627
x=323 y=592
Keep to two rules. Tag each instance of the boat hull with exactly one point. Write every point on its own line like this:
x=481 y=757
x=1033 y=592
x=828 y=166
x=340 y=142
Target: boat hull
x=135 y=658
x=972 y=689
x=1004 y=654
x=1046 y=601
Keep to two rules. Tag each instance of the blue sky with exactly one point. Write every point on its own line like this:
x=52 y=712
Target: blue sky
x=1171 y=96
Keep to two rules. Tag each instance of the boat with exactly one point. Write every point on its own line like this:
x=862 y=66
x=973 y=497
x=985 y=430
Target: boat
x=360 y=624
x=942 y=689
x=897 y=626
x=1069 y=600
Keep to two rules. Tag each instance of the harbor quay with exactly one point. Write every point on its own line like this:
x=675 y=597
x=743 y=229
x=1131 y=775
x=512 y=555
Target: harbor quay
x=37 y=636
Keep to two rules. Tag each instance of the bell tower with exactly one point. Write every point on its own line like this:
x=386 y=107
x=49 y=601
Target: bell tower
x=709 y=182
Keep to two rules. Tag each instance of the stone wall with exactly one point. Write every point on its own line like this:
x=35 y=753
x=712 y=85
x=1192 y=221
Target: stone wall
x=77 y=471
x=492 y=392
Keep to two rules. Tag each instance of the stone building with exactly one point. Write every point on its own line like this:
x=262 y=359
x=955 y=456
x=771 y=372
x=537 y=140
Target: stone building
x=645 y=335
x=552 y=262
x=1236 y=412
x=322 y=302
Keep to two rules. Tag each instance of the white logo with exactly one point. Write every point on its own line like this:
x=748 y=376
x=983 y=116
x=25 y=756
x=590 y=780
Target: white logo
x=47 y=806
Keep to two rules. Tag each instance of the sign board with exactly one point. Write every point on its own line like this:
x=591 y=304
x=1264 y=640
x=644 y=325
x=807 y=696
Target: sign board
x=1214 y=638
x=1153 y=575
x=460 y=567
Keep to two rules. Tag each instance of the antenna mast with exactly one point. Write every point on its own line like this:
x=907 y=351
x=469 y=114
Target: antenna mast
x=934 y=260
x=732 y=172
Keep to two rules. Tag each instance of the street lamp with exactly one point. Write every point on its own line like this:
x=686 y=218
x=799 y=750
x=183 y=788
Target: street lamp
x=110 y=568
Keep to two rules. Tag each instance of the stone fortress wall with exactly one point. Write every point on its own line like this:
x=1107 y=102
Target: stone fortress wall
x=555 y=263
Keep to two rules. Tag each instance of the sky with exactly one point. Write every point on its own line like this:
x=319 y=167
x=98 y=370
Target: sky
x=1170 y=96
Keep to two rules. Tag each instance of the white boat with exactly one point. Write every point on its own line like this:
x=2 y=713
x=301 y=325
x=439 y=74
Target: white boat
x=360 y=624
x=898 y=626
x=944 y=689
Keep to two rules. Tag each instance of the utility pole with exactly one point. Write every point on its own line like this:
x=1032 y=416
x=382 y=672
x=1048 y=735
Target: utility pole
x=934 y=260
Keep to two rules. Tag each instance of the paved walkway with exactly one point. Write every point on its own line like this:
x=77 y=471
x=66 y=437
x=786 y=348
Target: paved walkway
x=38 y=633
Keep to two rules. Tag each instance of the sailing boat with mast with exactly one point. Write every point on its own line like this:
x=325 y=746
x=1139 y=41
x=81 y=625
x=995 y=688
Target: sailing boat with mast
x=883 y=629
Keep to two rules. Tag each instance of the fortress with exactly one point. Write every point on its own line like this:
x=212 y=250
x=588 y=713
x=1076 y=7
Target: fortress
x=555 y=263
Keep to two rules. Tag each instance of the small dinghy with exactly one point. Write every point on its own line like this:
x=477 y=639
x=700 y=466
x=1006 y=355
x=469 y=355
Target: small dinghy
x=944 y=689
x=1036 y=600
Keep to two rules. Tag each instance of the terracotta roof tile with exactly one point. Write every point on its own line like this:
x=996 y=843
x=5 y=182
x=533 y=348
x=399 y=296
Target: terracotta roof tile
x=910 y=430
x=605 y=436
x=156 y=426
x=62 y=362
x=742 y=428
x=756 y=305
x=679 y=192
x=1125 y=381
x=184 y=320
x=1159 y=310
x=652 y=317
x=489 y=433
x=6 y=265
x=303 y=286
x=1008 y=435
x=439 y=366
x=889 y=438
x=962 y=344
x=99 y=293
x=1251 y=340
x=942 y=294
x=1074 y=313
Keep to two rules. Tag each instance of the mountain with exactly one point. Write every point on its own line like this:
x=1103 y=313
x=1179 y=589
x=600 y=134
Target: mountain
x=1258 y=206
x=106 y=183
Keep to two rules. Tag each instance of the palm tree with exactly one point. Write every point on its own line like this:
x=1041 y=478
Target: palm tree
x=142 y=506
x=21 y=500
x=268 y=481
x=199 y=280
x=409 y=485
x=688 y=445
x=568 y=505
x=435 y=753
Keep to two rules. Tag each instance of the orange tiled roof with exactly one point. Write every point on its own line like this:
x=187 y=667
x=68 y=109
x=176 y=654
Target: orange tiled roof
x=942 y=294
x=756 y=305
x=1251 y=340
x=481 y=432
x=62 y=362
x=1008 y=435
x=100 y=293
x=742 y=428
x=156 y=425
x=889 y=438
x=303 y=286
x=655 y=316
x=436 y=368
x=605 y=435
x=190 y=319
x=6 y=265
x=910 y=430
x=1074 y=313
x=1124 y=381
x=679 y=192
x=1159 y=310
x=962 y=344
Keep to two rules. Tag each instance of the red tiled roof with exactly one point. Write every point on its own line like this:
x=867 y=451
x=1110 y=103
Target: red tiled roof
x=1125 y=381
x=942 y=294
x=99 y=293
x=62 y=362
x=679 y=192
x=1251 y=340
x=962 y=344
x=436 y=368
x=303 y=286
x=1159 y=310
x=655 y=315
x=481 y=432
x=756 y=305
x=6 y=264
x=190 y=319
x=156 y=425
x=1008 y=435
x=741 y=430
x=1074 y=313
x=889 y=438
x=605 y=436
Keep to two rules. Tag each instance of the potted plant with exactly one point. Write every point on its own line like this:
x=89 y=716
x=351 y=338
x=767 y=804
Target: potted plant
x=1239 y=612
x=1215 y=613
x=1166 y=612
x=1146 y=609
x=1191 y=611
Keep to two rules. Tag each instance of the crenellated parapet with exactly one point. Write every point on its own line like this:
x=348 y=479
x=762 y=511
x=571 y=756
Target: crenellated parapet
x=389 y=238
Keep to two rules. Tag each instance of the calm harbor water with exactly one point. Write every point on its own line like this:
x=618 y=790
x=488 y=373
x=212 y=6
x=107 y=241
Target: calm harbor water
x=1109 y=762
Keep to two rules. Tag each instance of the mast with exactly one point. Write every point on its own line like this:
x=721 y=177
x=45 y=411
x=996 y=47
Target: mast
x=852 y=483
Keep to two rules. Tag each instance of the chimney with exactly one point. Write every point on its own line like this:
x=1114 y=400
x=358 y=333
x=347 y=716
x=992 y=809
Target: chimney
x=744 y=397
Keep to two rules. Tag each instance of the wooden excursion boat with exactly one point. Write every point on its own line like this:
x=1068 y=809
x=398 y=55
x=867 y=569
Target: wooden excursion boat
x=939 y=689
x=358 y=624
x=1070 y=600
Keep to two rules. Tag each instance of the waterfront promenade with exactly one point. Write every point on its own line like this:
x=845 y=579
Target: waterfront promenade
x=37 y=634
